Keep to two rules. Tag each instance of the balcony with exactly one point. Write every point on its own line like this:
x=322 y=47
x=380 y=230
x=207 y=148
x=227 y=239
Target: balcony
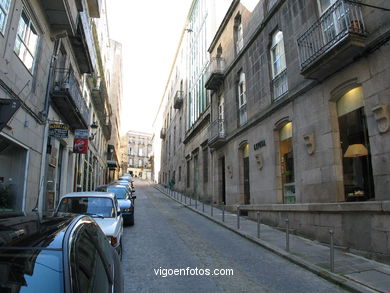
x=62 y=14
x=98 y=93
x=107 y=129
x=333 y=41
x=178 y=100
x=94 y=8
x=215 y=73
x=83 y=46
x=68 y=99
x=217 y=135
x=163 y=133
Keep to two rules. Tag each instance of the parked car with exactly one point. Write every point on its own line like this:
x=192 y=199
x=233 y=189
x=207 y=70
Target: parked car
x=125 y=201
x=127 y=177
x=128 y=184
x=102 y=207
x=63 y=254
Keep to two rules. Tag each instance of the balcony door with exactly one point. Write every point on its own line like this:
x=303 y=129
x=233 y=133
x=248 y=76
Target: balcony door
x=221 y=114
x=334 y=18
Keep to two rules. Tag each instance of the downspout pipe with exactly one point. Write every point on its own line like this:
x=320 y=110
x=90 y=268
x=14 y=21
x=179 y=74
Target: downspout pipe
x=45 y=113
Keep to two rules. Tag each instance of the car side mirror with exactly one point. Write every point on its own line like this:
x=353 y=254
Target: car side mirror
x=133 y=197
x=118 y=213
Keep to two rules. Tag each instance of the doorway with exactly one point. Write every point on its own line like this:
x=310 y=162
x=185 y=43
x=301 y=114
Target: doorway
x=246 y=182
x=222 y=181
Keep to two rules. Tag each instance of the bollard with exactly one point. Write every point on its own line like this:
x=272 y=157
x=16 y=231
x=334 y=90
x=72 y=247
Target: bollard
x=331 y=232
x=202 y=206
x=185 y=199
x=211 y=208
x=181 y=197
x=196 y=203
x=238 y=218
x=287 y=235
x=258 y=224
x=190 y=200
x=223 y=212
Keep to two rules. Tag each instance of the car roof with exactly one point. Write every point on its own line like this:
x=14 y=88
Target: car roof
x=34 y=231
x=90 y=194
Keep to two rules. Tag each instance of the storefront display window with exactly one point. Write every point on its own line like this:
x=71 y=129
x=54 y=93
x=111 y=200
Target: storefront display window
x=357 y=169
x=287 y=164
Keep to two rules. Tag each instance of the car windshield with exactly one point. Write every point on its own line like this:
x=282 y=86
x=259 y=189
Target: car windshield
x=26 y=269
x=119 y=192
x=93 y=206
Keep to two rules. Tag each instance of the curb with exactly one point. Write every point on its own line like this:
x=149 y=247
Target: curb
x=328 y=275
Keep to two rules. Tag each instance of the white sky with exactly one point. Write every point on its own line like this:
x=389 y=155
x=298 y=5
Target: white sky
x=149 y=32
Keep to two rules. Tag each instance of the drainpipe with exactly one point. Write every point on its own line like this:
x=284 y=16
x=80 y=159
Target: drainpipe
x=45 y=113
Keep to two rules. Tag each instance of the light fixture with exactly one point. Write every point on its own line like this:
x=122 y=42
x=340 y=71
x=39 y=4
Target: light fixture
x=356 y=150
x=93 y=127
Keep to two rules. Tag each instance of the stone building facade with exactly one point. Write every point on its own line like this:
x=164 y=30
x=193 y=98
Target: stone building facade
x=298 y=122
x=299 y=115
x=49 y=66
x=139 y=151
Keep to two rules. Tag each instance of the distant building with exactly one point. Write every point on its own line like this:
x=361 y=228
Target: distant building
x=139 y=151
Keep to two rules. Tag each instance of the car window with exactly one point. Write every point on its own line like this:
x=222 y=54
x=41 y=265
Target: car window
x=27 y=268
x=94 y=206
x=120 y=193
x=89 y=269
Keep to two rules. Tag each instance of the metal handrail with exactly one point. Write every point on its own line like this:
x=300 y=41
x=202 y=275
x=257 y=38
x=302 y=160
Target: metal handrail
x=217 y=129
x=340 y=20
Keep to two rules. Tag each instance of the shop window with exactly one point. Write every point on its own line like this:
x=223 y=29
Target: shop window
x=357 y=169
x=13 y=165
x=287 y=164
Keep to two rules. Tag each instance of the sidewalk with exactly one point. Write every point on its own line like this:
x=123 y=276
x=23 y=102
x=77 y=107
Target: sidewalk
x=352 y=272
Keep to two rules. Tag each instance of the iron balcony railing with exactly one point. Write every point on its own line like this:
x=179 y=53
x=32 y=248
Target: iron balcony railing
x=280 y=85
x=66 y=82
x=215 y=72
x=178 y=99
x=217 y=130
x=163 y=133
x=340 y=20
x=243 y=114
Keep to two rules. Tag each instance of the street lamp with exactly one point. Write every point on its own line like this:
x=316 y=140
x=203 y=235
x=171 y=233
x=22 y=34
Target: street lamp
x=93 y=127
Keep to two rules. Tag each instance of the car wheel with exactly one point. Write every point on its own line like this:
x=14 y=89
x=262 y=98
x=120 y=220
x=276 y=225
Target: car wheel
x=120 y=250
x=131 y=220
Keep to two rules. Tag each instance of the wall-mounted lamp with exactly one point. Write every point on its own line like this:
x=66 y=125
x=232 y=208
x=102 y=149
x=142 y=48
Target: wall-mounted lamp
x=356 y=150
x=93 y=127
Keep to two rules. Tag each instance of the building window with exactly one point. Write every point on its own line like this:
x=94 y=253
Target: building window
x=140 y=163
x=271 y=4
x=140 y=151
x=205 y=165
x=242 y=99
x=357 y=168
x=26 y=41
x=287 y=164
x=4 y=9
x=238 y=34
x=279 y=70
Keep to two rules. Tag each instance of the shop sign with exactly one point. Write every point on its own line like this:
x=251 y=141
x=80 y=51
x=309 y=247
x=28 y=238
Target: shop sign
x=58 y=130
x=259 y=145
x=80 y=145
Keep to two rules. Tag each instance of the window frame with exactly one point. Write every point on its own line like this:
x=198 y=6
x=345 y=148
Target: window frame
x=6 y=13
x=30 y=28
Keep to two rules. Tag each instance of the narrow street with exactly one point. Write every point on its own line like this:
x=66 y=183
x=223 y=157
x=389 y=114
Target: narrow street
x=167 y=236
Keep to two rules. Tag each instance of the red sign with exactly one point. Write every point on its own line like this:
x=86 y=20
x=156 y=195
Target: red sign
x=80 y=145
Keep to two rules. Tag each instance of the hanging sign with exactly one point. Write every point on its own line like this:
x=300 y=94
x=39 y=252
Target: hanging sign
x=58 y=130
x=80 y=145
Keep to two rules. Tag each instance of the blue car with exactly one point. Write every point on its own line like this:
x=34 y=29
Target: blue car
x=125 y=201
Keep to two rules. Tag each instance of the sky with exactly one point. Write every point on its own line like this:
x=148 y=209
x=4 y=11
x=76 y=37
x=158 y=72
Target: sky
x=149 y=32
